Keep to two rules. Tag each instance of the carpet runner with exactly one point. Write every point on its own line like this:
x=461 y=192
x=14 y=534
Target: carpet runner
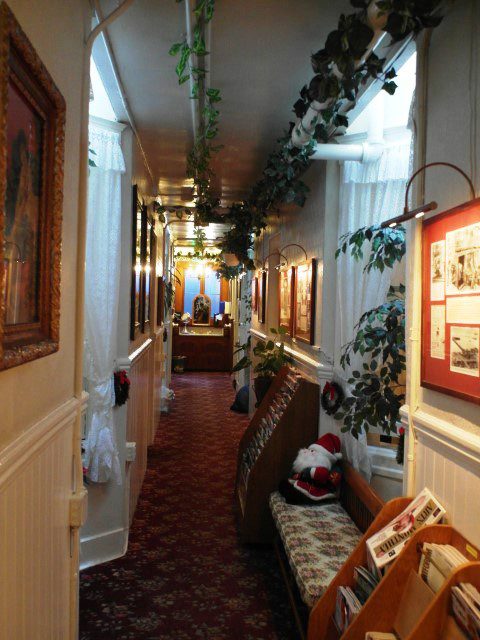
x=185 y=575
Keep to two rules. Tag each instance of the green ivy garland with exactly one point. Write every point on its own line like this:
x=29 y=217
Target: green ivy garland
x=338 y=78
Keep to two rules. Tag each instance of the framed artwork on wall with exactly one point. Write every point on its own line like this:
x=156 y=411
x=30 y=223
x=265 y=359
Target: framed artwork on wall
x=160 y=300
x=254 y=294
x=286 y=284
x=149 y=247
x=136 y=289
x=261 y=296
x=32 y=132
x=304 y=307
x=201 y=309
x=451 y=302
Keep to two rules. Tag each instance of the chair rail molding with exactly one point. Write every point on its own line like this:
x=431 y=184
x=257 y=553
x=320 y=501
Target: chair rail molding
x=436 y=430
x=36 y=438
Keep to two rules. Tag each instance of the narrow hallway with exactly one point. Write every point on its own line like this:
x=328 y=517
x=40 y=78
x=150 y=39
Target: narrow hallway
x=185 y=574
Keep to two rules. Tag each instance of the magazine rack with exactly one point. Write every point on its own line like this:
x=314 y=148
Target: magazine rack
x=320 y=624
x=297 y=427
x=438 y=623
x=379 y=612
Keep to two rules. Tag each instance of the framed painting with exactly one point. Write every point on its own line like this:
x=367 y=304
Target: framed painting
x=32 y=131
x=305 y=286
x=261 y=295
x=254 y=294
x=160 y=300
x=286 y=283
x=136 y=288
x=201 y=309
x=147 y=255
x=451 y=302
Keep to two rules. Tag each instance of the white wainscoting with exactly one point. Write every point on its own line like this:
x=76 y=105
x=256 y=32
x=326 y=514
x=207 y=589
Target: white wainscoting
x=139 y=417
x=36 y=572
x=447 y=461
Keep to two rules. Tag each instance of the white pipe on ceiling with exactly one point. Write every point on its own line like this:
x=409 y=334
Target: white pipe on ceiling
x=365 y=152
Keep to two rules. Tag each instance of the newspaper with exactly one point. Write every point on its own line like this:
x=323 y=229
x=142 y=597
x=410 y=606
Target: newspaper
x=383 y=547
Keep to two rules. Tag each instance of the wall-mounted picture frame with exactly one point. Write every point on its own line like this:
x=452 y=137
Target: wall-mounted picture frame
x=201 y=309
x=304 y=305
x=137 y=280
x=286 y=298
x=147 y=261
x=254 y=294
x=32 y=134
x=160 y=300
x=261 y=297
x=450 y=360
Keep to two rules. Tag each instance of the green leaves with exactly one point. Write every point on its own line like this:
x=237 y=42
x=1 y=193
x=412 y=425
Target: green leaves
x=270 y=356
x=387 y=246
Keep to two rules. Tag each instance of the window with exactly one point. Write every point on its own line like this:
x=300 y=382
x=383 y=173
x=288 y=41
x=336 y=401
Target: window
x=203 y=280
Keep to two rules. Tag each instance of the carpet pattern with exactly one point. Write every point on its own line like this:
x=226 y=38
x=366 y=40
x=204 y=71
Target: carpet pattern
x=186 y=576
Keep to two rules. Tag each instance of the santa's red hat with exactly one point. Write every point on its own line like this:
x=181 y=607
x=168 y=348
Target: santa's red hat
x=328 y=444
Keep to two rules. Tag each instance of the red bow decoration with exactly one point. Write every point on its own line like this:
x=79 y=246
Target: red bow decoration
x=329 y=388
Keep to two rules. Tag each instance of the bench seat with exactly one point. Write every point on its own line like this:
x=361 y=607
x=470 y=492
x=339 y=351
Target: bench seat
x=317 y=540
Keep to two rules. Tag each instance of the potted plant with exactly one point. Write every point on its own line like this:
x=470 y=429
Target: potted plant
x=271 y=357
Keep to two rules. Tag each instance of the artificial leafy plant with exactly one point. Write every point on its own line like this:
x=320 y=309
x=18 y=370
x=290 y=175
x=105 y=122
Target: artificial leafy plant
x=270 y=353
x=378 y=389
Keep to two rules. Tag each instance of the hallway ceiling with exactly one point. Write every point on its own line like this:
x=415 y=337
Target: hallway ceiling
x=260 y=57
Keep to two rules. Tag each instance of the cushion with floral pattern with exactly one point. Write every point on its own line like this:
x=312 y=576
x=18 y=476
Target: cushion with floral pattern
x=317 y=538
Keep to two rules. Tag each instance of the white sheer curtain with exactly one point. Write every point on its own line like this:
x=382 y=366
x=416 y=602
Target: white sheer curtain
x=369 y=194
x=101 y=301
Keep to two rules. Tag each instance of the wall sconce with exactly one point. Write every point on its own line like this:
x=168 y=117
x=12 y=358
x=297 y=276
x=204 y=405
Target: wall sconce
x=277 y=266
x=294 y=244
x=419 y=212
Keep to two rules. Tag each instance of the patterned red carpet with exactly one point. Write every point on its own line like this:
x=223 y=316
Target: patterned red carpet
x=185 y=575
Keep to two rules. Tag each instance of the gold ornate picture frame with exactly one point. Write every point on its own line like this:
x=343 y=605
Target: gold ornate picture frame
x=32 y=133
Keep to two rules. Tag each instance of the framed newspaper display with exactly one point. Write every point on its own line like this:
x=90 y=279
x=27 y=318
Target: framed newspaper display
x=286 y=295
x=451 y=302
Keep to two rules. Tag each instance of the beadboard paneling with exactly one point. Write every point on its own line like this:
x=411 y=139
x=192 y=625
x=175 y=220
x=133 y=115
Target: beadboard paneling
x=447 y=461
x=35 y=564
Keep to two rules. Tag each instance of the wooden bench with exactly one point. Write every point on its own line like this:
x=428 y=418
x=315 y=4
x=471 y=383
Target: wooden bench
x=300 y=528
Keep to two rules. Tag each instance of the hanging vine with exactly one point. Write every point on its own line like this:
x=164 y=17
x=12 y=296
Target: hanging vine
x=341 y=68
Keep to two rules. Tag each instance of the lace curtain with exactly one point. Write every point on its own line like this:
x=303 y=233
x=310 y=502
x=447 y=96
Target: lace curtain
x=369 y=194
x=101 y=301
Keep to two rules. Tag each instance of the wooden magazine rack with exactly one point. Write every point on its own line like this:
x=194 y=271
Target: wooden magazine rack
x=296 y=428
x=380 y=610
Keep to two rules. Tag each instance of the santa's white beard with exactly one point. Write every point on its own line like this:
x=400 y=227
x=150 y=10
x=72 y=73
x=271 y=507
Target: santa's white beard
x=310 y=458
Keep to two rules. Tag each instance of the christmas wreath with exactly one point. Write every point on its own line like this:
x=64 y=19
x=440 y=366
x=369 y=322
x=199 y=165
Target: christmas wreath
x=332 y=397
x=122 y=387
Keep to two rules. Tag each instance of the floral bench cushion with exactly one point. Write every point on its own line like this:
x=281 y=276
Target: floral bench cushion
x=317 y=540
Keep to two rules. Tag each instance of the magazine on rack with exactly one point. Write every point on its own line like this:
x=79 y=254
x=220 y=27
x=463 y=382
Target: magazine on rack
x=465 y=605
x=384 y=546
x=438 y=562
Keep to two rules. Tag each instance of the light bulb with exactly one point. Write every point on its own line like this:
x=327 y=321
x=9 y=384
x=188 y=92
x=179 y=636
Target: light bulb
x=420 y=214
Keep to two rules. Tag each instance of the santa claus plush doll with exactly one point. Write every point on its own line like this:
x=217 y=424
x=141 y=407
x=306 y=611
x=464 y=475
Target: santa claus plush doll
x=316 y=473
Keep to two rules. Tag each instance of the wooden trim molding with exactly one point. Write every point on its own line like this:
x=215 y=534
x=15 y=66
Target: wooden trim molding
x=459 y=441
x=32 y=441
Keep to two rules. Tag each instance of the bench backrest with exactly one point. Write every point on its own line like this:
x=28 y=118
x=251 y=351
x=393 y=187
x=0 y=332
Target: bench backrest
x=358 y=498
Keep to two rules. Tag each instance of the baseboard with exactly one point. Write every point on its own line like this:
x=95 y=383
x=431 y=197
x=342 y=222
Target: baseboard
x=103 y=547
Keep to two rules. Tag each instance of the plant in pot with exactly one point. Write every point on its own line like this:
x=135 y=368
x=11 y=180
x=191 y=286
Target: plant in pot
x=270 y=358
